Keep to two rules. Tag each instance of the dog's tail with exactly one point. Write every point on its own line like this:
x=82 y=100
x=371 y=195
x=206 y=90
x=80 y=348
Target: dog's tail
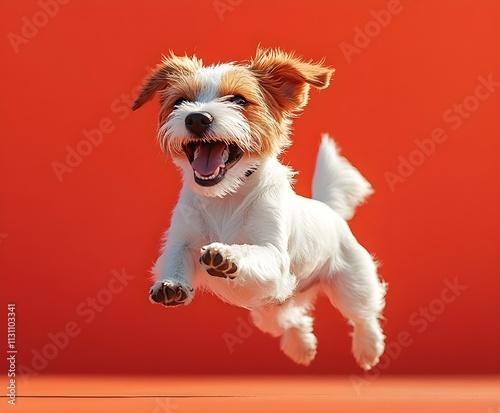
x=336 y=182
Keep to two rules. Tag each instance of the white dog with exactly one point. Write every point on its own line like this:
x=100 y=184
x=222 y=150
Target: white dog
x=239 y=230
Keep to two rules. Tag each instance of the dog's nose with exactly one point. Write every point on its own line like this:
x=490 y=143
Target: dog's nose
x=198 y=122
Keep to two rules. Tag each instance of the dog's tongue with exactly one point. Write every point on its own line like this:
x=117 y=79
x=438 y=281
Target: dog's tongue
x=208 y=157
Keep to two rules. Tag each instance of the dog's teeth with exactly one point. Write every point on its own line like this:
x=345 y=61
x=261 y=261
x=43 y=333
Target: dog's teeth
x=225 y=155
x=196 y=152
x=207 y=178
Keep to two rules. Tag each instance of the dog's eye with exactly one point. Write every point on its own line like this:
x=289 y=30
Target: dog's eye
x=179 y=102
x=239 y=100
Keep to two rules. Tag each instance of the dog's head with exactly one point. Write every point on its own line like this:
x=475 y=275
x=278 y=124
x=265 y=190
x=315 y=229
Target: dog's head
x=219 y=122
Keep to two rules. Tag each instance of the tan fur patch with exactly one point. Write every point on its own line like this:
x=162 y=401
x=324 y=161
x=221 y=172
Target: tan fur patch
x=264 y=117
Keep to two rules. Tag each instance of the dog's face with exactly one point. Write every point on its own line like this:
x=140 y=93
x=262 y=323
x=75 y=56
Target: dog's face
x=219 y=122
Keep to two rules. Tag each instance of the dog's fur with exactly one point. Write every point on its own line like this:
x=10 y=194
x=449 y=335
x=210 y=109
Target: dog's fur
x=239 y=230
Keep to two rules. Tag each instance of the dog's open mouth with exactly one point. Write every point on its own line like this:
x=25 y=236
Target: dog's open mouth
x=211 y=160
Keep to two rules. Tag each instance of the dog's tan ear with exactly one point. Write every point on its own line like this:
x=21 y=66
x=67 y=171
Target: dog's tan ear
x=288 y=78
x=162 y=75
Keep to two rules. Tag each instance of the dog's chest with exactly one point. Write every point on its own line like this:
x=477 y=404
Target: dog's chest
x=224 y=221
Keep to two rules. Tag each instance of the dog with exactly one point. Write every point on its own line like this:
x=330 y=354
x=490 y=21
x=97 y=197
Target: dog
x=239 y=230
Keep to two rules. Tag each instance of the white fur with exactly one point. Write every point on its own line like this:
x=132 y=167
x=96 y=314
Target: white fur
x=287 y=248
x=285 y=245
x=229 y=124
x=211 y=78
x=336 y=183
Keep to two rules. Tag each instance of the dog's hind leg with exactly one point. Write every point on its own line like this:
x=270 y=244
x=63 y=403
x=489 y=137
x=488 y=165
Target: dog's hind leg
x=293 y=322
x=359 y=295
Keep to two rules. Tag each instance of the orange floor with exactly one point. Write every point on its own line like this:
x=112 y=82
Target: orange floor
x=137 y=394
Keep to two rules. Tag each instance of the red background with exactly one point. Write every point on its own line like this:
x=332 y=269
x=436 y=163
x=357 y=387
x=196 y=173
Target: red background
x=62 y=238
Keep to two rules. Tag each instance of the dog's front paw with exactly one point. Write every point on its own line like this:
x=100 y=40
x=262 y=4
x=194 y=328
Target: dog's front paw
x=217 y=261
x=170 y=293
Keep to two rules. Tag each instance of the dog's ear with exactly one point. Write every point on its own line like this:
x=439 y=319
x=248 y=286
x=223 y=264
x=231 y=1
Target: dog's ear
x=170 y=67
x=288 y=78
